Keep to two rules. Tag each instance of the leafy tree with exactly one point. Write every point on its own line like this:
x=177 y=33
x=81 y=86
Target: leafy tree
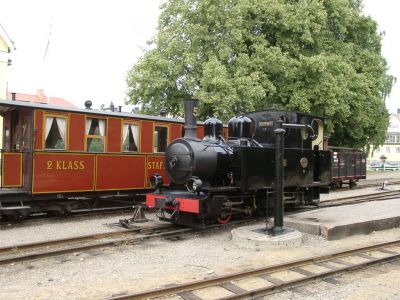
x=315 y=56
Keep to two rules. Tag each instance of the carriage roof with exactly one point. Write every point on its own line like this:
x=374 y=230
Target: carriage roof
x=6 y=105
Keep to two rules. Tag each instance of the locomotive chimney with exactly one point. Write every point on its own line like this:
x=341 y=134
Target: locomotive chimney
x=190 y=106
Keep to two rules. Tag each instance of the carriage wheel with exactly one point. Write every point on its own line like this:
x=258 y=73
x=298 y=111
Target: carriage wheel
x=224 y=218
x=16 y=217
x=352 y=184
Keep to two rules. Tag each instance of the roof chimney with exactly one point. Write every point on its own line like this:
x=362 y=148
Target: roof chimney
x=13 y=98
x=41 y=96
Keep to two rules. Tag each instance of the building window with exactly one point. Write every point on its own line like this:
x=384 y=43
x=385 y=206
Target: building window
x=160 y=139
x=397 y=149
x=387 y=149
x=95 y=134
x=130 y=137
x=393 y=138
x=56 y=132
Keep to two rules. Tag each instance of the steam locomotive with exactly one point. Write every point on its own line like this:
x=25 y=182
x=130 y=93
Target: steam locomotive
x=213 y=179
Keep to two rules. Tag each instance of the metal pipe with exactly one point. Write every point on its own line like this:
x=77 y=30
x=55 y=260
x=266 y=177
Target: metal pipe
x=311 y=133
x=190 y=106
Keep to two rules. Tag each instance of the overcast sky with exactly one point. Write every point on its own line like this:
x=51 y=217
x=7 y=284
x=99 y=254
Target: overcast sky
x=93 y=43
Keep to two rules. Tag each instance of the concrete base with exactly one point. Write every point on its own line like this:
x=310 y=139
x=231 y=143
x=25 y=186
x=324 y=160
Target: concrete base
x=335 y=223
x=255 y=237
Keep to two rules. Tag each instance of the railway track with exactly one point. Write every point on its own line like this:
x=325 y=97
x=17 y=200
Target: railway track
x=30 y=251
x=275 y=278
x=390 y=181
x=45 y=249
x=92 y=213
x=384 y=195
x=369 y=183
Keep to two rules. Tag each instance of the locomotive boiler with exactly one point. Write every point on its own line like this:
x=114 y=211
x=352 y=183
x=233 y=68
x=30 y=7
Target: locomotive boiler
x=214 y=179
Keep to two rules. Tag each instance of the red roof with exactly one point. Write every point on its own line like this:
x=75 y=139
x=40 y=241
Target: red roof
x=40 y=97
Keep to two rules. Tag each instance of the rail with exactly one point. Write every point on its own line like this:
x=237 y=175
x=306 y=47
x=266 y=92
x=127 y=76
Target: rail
x=328 y=265
x=384 y=195
x=45 y=249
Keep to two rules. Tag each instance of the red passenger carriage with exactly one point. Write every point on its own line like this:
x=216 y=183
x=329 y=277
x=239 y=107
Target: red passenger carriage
x=55 y=159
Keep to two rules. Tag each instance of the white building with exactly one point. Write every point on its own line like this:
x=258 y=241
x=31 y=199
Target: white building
x=391 y=148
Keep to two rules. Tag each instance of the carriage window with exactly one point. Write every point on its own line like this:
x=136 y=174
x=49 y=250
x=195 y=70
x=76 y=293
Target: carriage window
x=7 y=139
x=15 y=138
x=95 y=134
x=130 y=137
x=160 y=139
x=55 y=133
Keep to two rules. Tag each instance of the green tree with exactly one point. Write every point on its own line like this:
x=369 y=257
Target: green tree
x=315 y=56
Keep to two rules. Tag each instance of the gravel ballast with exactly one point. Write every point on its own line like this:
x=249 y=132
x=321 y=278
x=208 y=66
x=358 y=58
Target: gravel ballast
x=105 y=272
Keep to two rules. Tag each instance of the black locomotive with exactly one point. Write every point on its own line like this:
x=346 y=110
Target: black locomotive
x=214 y=179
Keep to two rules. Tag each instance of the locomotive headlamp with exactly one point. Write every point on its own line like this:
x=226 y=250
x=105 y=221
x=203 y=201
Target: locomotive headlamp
x=156 y=181
x=194 y=184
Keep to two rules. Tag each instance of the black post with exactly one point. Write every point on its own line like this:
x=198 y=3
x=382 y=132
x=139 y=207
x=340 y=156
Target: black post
x=279 y=168
x=279 y=153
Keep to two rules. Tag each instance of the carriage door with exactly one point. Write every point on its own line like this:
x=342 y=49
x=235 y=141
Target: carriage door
x=351 y=164
x=17 y=154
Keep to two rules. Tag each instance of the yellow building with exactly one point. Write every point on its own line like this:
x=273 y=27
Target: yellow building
x=6 y=46
x=391 y=148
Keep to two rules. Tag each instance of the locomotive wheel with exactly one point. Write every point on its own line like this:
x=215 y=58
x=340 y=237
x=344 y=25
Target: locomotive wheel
x=224 y=218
